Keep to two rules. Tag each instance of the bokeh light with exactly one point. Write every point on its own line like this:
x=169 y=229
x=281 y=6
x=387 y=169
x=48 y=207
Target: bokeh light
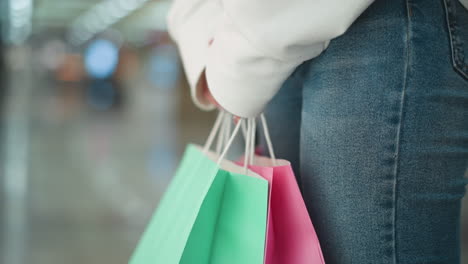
x=101 y=58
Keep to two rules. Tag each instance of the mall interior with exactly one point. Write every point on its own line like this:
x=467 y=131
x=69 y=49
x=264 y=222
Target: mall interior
x=95 y=115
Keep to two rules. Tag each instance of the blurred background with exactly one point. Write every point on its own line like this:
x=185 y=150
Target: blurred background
x=95 y=115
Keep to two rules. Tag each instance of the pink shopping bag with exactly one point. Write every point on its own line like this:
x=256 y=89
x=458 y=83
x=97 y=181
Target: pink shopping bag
x=291 y=237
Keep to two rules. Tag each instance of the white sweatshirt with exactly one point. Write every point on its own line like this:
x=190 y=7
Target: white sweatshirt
x=256 y=45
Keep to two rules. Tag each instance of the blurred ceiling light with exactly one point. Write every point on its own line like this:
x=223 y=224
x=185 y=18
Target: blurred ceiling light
x=19 y=23
x=126 y=5
x=102 y=15
x=116 y=12
x=151 y=18
x=160 y=12
x=20 y=5
x=101 y=58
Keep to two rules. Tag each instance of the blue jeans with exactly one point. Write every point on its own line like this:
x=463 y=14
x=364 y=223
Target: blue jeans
x=377 y=130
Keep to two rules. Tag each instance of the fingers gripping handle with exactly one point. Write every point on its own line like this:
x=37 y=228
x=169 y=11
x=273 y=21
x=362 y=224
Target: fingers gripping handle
x=222 y=128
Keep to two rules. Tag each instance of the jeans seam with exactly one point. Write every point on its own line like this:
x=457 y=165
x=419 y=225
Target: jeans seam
x=301 y=74
x=399 y=129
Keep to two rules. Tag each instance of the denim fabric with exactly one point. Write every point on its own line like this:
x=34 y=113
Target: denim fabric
x=377 y=130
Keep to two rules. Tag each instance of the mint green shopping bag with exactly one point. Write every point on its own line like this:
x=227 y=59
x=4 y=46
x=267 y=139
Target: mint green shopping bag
x=210 y=213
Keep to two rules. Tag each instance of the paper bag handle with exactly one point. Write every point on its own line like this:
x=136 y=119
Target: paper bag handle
x=223 y=122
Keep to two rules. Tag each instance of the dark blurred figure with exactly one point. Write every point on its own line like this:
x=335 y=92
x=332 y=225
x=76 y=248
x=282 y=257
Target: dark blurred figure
x=2 y=90
x=2 y=66
x=105 y=94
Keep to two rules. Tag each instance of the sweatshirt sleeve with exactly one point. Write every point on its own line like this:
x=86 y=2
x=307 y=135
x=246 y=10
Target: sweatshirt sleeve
x=191 y=24
x=258 y=44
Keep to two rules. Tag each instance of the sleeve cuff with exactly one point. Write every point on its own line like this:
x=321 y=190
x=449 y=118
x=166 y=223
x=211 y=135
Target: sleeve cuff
x=240 y=77
x=192 y=33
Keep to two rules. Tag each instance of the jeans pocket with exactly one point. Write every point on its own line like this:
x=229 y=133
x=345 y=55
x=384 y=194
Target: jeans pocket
x=457 y=23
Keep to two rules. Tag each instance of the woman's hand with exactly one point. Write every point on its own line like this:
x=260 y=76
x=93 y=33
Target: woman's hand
x=209 y=97
x=206 y=92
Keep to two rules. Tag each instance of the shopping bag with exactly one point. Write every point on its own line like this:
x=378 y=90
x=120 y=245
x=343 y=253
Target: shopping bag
x=211 y=213
x=291 y=237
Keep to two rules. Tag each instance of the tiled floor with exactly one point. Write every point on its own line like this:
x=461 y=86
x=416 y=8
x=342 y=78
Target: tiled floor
x=80 y=183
